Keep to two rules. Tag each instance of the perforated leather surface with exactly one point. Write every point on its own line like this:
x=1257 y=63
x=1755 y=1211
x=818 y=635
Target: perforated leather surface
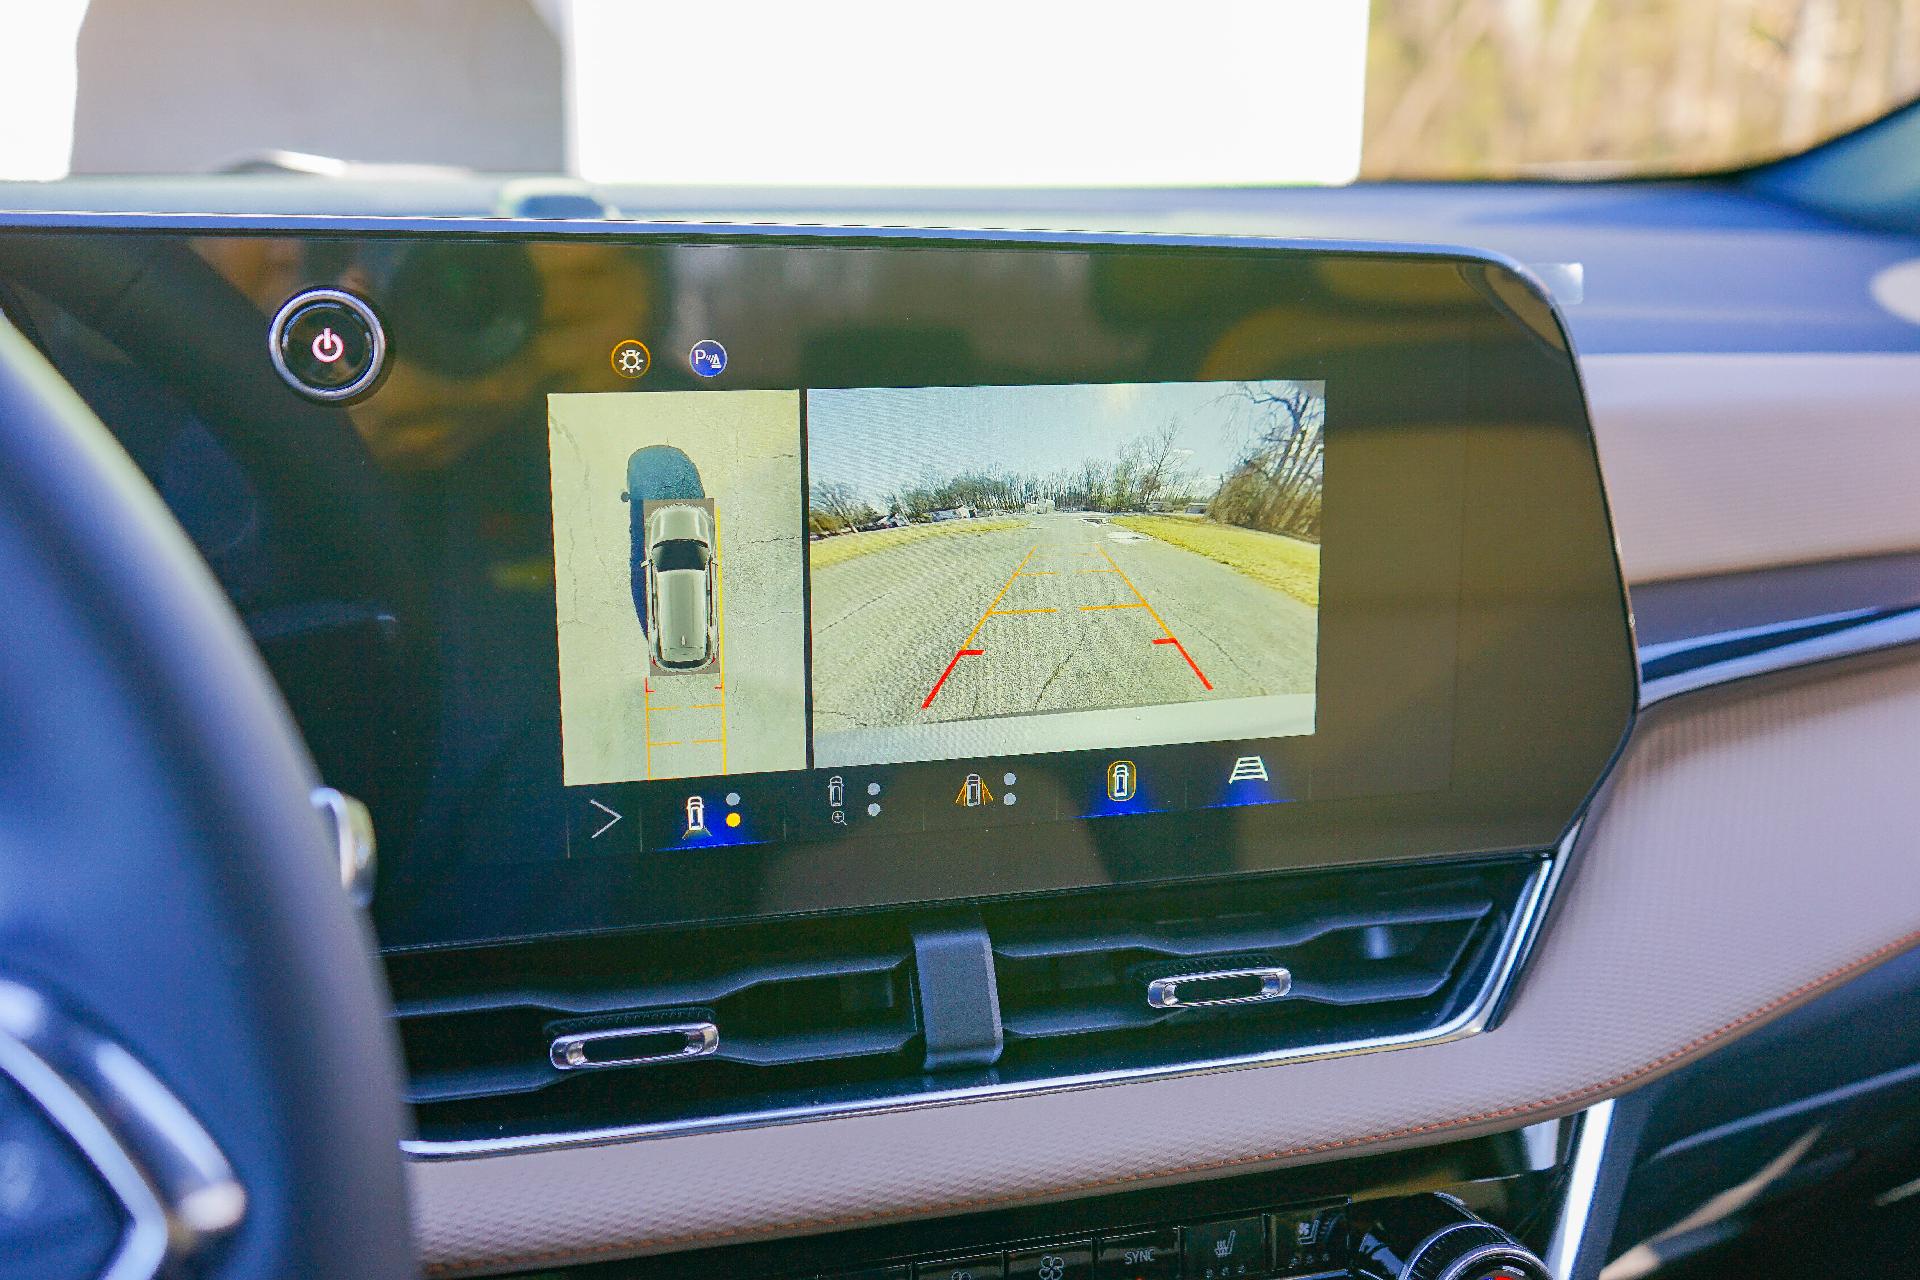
x=1758 y=847
x=1722 y=463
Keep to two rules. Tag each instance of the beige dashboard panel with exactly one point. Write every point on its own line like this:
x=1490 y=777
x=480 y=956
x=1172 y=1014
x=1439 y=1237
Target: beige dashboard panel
x=1720 y=463
x=1756 y=849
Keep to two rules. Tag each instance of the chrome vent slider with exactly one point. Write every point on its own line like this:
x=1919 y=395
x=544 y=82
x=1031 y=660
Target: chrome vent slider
x=633 y=1046
x=1219 y=988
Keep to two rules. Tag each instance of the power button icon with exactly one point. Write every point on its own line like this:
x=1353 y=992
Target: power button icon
x=327 y=345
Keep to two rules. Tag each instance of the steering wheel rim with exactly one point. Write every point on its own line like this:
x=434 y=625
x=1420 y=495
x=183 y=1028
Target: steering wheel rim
x=165 y=883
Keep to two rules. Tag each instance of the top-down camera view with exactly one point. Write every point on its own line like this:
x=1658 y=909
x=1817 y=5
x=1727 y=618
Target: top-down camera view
x=993 y=641
x=666 y=507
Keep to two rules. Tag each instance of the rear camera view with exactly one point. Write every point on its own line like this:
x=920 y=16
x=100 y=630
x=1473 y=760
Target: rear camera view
x=678 y=578
x=1003 y=570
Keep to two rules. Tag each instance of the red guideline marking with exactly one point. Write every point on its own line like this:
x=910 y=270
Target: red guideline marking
x=1189 y=657
x=964 y=653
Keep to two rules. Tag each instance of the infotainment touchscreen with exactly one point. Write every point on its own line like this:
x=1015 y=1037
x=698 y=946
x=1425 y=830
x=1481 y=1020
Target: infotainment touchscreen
x=640 y=576
x=753 y=582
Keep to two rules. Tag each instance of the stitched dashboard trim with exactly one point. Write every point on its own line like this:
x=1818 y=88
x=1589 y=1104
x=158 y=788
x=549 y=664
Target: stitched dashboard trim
x=1584 y=1094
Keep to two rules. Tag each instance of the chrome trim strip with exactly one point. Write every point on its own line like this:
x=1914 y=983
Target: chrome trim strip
x=1496 y=1254
x=1834 y=637
x=1529 y=912
x=1583 y=1182
x=1164 y=993
x=175 y=1185
x=569 y=1052
x=350 y=823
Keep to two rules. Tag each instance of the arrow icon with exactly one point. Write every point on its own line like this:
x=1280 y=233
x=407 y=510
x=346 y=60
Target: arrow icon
x=612 y=818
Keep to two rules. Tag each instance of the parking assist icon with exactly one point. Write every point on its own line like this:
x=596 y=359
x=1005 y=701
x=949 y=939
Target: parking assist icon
x=708 y=358
x=1248 y=769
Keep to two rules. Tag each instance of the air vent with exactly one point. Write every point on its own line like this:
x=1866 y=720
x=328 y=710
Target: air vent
x=585 y=1034
x=1222 y=971
x=661 y=1030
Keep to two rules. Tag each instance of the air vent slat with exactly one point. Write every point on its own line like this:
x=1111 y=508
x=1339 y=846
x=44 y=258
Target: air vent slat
x=582 y=999
x=1365 y=964
x=794 y=1016
x=1197 y=940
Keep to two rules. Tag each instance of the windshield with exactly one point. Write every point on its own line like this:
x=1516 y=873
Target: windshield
x=679 y=555
x=1005 y=93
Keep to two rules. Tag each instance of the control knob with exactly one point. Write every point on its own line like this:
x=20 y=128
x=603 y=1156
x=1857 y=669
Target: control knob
x=1435 y=1237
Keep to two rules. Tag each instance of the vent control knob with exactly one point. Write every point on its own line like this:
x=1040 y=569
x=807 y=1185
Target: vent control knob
x=1435 y=1237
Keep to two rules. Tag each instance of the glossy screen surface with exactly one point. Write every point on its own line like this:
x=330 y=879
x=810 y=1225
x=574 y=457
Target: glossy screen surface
x=891 y=571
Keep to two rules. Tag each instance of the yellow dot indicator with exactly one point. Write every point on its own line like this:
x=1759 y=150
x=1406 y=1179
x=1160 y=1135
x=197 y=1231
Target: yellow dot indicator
x=733 y=819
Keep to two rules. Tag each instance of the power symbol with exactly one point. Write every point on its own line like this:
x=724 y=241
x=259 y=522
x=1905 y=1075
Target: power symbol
x=328 y=347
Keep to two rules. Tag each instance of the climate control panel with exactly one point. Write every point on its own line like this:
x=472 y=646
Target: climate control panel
x=1421 y=1237
x=1292 y=1243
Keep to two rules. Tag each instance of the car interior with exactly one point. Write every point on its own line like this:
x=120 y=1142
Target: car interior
x=1008 y=643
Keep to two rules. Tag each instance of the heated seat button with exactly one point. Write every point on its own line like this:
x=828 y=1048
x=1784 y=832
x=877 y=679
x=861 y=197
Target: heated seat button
x=1227 y=1250
x=1147 y=1255
x=327 y=345
x=1313 y=1239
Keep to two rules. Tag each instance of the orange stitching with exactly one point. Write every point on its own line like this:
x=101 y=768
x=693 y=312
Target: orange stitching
x=630 y=1247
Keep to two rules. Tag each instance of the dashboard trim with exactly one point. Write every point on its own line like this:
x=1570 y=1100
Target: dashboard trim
x=1784 y=647
x=1705 y=662
x=1480 y=1015
x=736 y=232
x=1583 y=1184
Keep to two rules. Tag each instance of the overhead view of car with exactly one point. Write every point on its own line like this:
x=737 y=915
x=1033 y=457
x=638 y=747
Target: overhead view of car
x=1021 y=641
x=682 y=614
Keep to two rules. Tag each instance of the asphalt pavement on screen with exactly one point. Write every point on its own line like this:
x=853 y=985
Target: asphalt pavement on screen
x=1064 y=614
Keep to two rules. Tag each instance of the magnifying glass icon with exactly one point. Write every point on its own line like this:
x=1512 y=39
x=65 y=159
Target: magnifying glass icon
x=839 y=818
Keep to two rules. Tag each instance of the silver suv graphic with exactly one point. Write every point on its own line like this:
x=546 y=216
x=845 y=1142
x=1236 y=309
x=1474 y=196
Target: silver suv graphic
x=681 y=607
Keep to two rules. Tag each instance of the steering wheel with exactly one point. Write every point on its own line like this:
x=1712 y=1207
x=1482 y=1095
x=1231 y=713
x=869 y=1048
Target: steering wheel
x=195 y=1062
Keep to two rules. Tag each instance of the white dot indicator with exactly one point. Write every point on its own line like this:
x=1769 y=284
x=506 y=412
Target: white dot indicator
x=873 y=788
x=1008 y=798
x=733 y=797
x=873 y=811
x=1009 y=778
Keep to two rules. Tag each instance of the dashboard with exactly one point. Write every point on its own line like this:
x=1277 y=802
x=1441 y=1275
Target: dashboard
x=972 y=693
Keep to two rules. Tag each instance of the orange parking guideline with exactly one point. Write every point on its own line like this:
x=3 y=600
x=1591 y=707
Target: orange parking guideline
x=646 y=719
x=1170 y=637
x=963 y=651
